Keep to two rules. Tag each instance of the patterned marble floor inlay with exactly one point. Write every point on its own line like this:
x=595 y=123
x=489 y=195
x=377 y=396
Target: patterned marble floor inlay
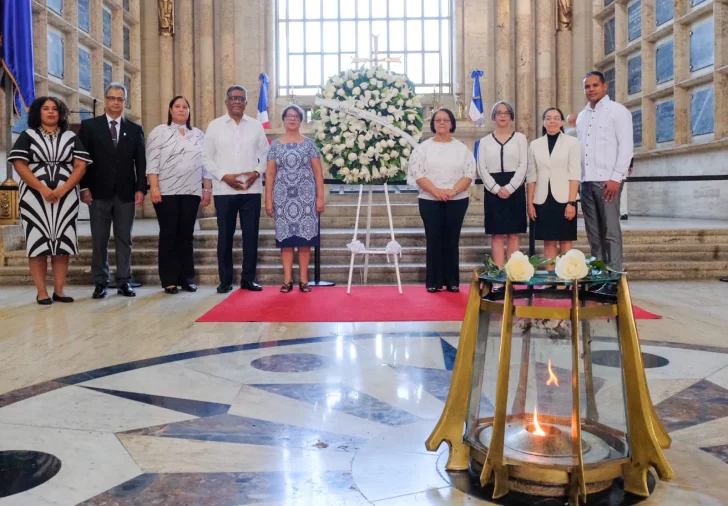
x=25 y=470
x=338 y=420
x=290 y=362
x=612 y=358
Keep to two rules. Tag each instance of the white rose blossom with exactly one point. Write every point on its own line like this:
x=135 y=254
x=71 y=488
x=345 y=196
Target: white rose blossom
x=519 y=268
x=572 y=265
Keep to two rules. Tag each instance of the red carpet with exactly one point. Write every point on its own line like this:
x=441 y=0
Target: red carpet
x=332 y=304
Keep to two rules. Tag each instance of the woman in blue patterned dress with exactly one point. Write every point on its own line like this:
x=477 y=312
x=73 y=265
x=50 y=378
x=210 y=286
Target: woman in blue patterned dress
x=294 y=196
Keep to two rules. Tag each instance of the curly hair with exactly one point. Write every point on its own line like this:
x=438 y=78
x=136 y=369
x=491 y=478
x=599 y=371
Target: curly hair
x=34 y=121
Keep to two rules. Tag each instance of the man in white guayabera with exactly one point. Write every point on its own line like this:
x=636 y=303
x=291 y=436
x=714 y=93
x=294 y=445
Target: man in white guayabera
x=604 y=129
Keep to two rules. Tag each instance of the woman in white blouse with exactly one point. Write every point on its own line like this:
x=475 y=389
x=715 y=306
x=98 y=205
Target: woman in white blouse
x=179 y=183
x=502 y=164
x=443 y=168
x=554 y=172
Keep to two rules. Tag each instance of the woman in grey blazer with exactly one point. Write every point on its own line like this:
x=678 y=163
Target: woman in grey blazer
x=554 y=172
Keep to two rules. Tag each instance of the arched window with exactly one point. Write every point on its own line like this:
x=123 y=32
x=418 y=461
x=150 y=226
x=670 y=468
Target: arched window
x=319 y=38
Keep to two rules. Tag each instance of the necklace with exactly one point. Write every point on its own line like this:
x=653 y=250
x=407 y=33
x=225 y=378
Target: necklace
x=47 y=133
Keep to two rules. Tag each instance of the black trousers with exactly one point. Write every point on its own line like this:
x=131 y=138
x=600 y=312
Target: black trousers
x=228 y=208
x=443 y=222
x=177 y=215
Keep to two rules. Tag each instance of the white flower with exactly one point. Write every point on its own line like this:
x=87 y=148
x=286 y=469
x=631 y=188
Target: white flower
x=385 y=157
x=402 y=142
x=352 y=157
x=380 y=84
x=375 y=173
x=400 y=102
x=378 y=145
x=572 y=265
x=329 y=157
x=383 y=104
x=356 y=91
x=406 y=151
x=364 y=86
x=339 y=162
x=349 y=83
x=361 y=138
x=368 y=136
x=410 y=117
x=391 y=143
x=341 y=92
x=370 y=151
x=391 y=109
x=350 y=143
x=519 y=268
x=373 y=82
x=372 y=103
x=332 y=129
x=321 y=135
x=381 y=74
x=394 y=153
x=408 y=103
x=338 y=81
x=326 y=148
x=361 y=144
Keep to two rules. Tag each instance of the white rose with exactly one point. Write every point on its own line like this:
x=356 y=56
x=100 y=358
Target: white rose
x=378 y=145
x=322 y=135
x=372 y=103
x=329 y=95
x=394 y=153
x=341 y=92
x=370 y=151
x=338 y=81
x=326 y=149
x=339 y=162
x=383 y=104
x=352 y=157
x=400 y=102
x=518 y=267
x=368 y=136
x=391 y=109
x=373 y=82
x=572 y=265
x=391 y=143
x=406 y=151
x=402 y=142
x=375 y=173
x=410 y=117
x=349 y=83
x=408 y=103
x=386 y=157
x=361 y=145
x=332 y=130
x=356 y=91
x=361 y=138
x=329 y=157
x=350 y=143
x=380 y=84
x=364 y=86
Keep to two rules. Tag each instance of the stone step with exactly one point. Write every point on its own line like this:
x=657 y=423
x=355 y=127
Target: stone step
x=379 y=273
x=380 y=210
x=348 y=221
x=412 y=254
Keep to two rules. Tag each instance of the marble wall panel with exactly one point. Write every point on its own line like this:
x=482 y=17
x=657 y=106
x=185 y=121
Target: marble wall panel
x=665 y=121
x=664 y=11
x=634 y=21
x=702 y=112
x=701 y=45
x=664 y=60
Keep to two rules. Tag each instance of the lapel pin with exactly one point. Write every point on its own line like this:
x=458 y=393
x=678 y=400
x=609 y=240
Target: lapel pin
x=124 y=134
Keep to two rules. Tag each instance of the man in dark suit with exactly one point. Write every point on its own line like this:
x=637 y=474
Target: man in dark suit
x=114 y=187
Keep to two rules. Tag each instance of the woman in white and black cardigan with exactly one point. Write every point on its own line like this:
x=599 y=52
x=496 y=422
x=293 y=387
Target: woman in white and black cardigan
x=554 y=172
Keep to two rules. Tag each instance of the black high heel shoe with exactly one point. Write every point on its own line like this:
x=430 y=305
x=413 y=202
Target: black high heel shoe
x=287 y=287
x=304 y=287
x=171 y=290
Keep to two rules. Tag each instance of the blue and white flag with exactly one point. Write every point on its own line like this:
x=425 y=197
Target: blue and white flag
x=263 y=101
x=16 y=34
x=476 y=106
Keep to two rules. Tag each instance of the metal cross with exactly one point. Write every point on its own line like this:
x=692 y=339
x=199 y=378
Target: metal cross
x=374 y=60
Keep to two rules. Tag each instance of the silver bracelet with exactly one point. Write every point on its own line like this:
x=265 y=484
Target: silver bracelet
x=206 y=190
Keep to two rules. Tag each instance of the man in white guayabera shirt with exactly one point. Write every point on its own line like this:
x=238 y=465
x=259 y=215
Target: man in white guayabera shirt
x=604 y=129
x=235 y=154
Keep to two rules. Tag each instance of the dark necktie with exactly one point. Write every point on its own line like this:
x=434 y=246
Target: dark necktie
x=113 y=132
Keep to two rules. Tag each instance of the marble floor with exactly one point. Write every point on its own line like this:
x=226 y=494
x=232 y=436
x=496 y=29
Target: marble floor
x=131 y=402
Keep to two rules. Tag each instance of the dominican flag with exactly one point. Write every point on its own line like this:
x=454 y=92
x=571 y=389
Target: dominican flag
x=17 y=49
x=476 y=106
x=263 y=101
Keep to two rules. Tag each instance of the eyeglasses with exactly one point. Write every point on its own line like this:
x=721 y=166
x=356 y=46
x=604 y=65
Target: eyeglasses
x=293 y=118
x=237 y=98
x=442 y=121
x=503 y=113
x=115 y=99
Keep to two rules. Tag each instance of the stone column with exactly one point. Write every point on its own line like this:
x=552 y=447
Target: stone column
x=206 y=63
x=545 y=58
x=504 y=52
x=575 y=61
x=149 y=34
x=166 y=74
x=479 y=51
x=185 y=56
x=227 y=44
x=525 y=68
x=565 y=69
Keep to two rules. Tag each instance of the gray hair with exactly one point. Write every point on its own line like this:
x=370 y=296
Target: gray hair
x=236 y=87
x=509 y=107
x=115 y=86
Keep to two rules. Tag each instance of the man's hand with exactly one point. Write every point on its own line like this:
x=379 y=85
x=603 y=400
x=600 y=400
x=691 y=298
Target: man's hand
x=250 y=178
x=503 y=193
x=610 y=190
x=233 y=182
x=86 y=197
x=138 y=199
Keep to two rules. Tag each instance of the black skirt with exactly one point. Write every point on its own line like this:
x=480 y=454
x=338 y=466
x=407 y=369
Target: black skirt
x=505 y=216
x=550 y=222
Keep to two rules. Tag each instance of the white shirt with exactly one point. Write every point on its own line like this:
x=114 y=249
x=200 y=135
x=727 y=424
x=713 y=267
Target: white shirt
x=177 y=159
x=109 y=119
x=605 y=135
x=443 y=163
x=511 y=156
x=234 y=148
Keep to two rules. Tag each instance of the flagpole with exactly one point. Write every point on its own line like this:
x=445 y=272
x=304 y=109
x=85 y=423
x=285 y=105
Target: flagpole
x=8 y=124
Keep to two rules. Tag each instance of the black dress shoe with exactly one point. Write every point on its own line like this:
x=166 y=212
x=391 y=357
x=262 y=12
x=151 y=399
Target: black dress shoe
x=99 y=292
x=432 y=289
x=171 y=290
x=44 y=302
x=453 y=288
x=190 y=288
x=251 y=285
x=624 y=217
x=224 y=288
x=126 y=290
x=64 y=299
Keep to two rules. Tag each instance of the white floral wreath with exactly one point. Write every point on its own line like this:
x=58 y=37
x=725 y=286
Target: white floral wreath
x=356 y=149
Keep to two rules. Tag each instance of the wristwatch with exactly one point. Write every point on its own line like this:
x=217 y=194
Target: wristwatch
x=571 y=203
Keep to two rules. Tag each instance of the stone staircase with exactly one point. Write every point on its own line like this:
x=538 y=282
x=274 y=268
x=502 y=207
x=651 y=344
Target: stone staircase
x=690 y=253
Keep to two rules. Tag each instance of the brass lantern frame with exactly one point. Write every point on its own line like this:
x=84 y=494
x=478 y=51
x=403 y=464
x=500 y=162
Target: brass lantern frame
x=648 y=436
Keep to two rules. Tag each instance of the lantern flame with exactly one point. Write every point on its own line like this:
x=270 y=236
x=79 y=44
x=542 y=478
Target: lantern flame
x=553 y=379
x=538 y=431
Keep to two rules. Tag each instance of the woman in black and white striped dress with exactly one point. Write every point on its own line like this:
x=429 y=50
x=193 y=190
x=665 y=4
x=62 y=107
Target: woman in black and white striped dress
x=50 y=161
x=179 y=183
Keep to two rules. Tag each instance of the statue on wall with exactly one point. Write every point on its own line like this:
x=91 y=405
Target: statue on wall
x=166 y=17
x=565 y=14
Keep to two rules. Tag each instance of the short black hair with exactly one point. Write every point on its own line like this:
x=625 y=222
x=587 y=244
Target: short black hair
x=34 y=113
x=543 y=118
x=596 y=73
x=296 y=108
x=169 y=111
x=237 y=87
x=449 y=113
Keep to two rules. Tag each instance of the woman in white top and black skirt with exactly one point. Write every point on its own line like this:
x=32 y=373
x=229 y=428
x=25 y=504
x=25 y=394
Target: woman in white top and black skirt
x=502 y=164
x=443 y=168
x=554 y=172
